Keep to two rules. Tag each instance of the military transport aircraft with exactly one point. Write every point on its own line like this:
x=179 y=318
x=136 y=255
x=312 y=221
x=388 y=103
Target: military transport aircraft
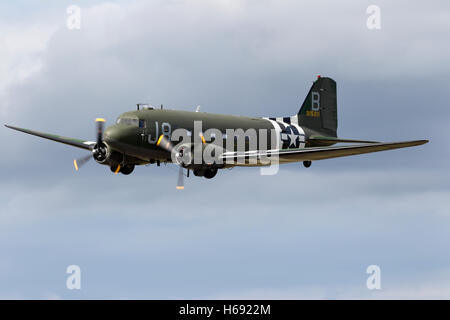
x=147 y=136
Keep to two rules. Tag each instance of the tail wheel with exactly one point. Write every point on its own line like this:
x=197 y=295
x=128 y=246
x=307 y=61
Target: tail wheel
x=210 y=173
x=307 y=163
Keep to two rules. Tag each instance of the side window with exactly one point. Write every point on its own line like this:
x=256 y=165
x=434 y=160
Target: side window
x=129 y=121
x=142 y=123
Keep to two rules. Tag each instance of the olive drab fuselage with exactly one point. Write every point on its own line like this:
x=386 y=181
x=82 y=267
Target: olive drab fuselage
x=136 y=132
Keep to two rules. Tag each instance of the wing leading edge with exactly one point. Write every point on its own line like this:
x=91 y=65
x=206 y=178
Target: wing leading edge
x=321 y=153
x=322 y=139
x=88 y=145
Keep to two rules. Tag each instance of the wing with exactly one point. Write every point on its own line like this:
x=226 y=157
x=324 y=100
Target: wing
x=70 y=141
x=323 y=139
x=320 y=153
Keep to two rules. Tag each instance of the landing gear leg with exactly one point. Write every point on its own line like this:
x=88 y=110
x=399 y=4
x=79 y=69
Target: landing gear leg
x=307 y=163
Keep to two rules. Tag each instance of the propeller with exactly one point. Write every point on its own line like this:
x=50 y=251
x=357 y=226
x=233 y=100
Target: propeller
x=78 y=163
x=99 y=151
x=167 y=145
x=100 y=124
x=180 y=184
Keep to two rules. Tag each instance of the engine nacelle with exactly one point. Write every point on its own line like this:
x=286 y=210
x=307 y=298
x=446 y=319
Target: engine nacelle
x=199 y=155
x=104 y=155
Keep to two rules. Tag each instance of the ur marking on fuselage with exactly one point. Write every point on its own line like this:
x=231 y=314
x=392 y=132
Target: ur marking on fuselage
x=204 y=142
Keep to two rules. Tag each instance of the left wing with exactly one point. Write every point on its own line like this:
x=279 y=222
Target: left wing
x=88 y=145
x=320 y=153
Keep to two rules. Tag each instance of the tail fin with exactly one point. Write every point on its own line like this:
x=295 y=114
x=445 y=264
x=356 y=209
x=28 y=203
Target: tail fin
x=319 y=110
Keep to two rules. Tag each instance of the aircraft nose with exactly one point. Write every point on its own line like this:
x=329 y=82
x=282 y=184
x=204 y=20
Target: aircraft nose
x=111 y=134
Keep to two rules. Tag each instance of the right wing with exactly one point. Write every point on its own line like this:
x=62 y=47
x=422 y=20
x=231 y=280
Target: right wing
x=320 y=153
x=323 y=139
x=88 y=145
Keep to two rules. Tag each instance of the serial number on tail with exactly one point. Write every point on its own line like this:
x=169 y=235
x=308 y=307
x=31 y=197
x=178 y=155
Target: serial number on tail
x=315 y=114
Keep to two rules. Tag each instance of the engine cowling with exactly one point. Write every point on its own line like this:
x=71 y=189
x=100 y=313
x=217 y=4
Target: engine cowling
x=103 y=154
x=185 y=155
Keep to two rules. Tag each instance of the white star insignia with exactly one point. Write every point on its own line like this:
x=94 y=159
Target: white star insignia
x=293 y=138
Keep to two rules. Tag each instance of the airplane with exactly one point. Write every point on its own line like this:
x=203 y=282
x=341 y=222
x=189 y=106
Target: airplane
x=147 y=136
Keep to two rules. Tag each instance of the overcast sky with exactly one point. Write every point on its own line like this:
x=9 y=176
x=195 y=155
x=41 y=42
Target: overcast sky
x=303 y=233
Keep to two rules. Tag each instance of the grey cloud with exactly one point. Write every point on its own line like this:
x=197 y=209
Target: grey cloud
x=240 y=237
x=241 y=234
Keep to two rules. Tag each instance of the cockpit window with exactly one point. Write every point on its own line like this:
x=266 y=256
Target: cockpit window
x=128 y=121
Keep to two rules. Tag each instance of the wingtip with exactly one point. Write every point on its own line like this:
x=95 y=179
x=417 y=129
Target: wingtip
x=13 y=127
x=417 y=142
